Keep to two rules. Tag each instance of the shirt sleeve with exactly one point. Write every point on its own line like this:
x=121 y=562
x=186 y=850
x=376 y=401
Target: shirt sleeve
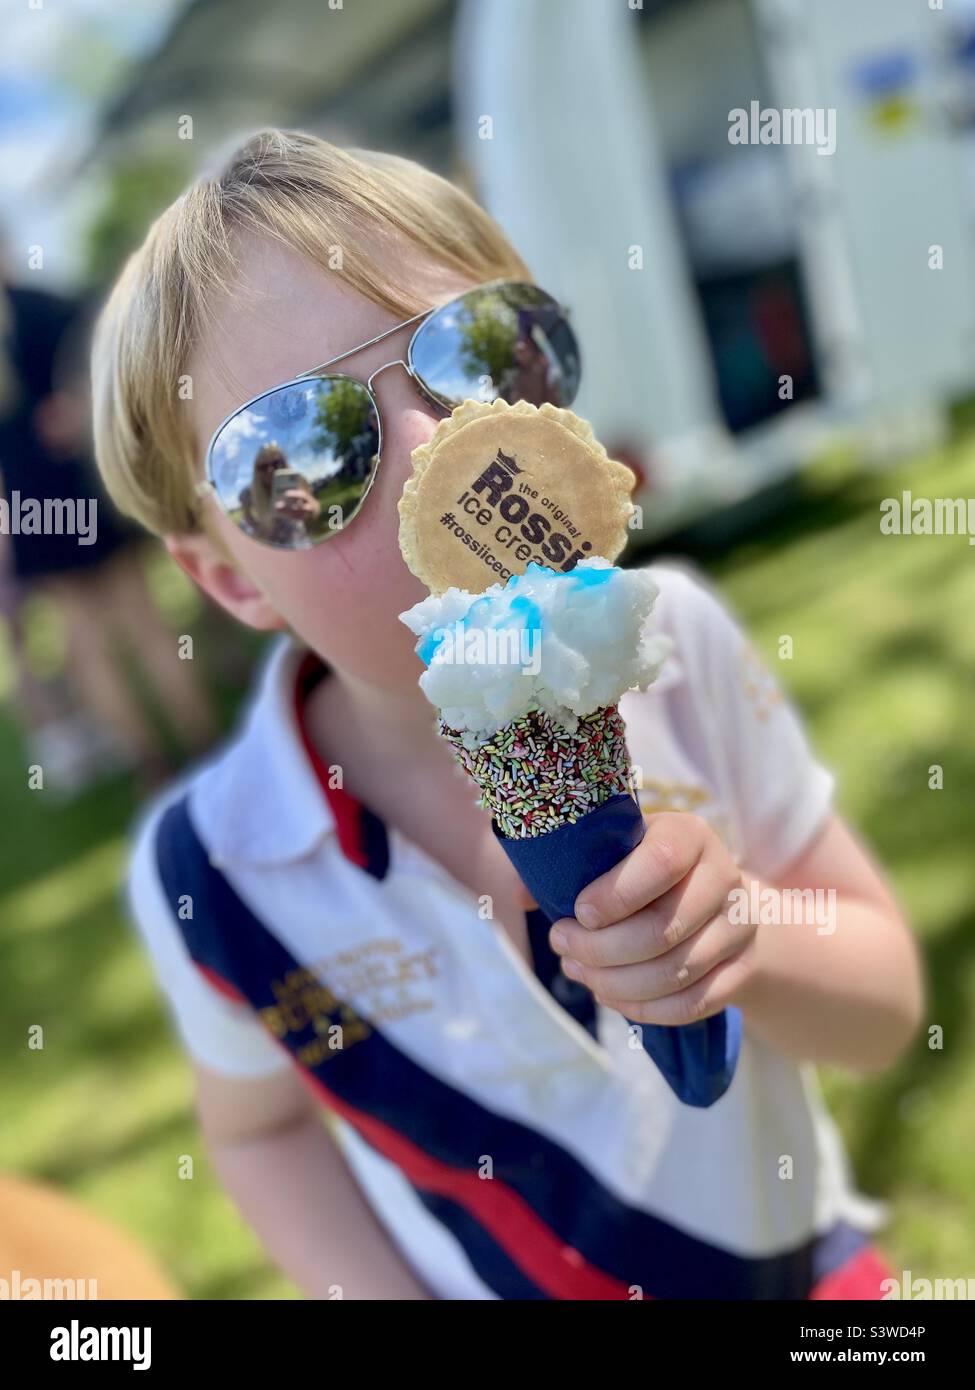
x=217 y=1031
x=782 y=794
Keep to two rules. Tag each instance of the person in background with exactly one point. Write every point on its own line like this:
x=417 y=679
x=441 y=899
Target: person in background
x=98 y=588
x=278 y=517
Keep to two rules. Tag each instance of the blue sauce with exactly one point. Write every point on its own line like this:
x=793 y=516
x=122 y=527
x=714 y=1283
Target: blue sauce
x=580 y=579
x=528 y=609
x=427 y=647
x=588 y=579
x=521 y=606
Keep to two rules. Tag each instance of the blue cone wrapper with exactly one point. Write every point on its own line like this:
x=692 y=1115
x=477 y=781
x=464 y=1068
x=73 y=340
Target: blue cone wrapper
x=698 y=1060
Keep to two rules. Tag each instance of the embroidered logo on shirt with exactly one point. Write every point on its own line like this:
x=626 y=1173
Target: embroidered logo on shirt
x=380 y=973
x=655 y=796
x=385 y=976
x=304 y=1002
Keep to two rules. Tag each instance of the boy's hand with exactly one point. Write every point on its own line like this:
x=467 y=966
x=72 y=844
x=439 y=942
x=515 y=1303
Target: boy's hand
x=651 y=937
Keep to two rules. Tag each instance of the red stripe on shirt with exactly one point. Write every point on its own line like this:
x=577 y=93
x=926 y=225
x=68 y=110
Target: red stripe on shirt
x=344 y=807
x=541 y=1255
x=221 y=985
x=860 y=1277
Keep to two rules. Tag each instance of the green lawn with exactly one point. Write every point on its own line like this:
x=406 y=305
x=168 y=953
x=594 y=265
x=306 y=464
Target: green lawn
x=884 y=653
x=104 y=1109
x=884 y=648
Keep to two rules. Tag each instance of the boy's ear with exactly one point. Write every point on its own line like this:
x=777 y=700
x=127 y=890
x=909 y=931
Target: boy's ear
x=214 y=571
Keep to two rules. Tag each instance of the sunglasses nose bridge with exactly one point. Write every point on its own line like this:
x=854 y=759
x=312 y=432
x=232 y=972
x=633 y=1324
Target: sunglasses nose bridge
x=397 y=362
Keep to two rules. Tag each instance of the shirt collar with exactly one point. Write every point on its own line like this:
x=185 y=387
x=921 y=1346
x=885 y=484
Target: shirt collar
x=261 y=802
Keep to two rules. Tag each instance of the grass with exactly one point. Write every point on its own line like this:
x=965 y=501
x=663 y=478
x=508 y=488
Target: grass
x=103 y=1110
x=884 y=648
x=883 y=651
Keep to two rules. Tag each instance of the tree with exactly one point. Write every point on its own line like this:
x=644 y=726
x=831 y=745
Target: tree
x=489 y=337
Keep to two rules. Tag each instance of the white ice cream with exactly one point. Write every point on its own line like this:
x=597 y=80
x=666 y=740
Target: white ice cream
x=566 y=643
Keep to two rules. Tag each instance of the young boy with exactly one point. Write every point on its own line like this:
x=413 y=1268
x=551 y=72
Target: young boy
x=329 y=913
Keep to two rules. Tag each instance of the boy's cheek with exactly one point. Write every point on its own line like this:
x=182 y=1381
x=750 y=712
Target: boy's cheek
x=344 y=599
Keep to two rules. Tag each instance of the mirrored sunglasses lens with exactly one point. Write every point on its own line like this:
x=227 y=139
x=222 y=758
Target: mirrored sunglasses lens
x=293 y=467
x=506 y=340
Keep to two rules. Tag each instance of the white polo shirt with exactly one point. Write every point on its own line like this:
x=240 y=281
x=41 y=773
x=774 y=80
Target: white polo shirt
x=504 y=1129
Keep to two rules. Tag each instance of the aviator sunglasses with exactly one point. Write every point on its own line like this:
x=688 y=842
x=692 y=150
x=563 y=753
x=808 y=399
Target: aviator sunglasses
x=294 y=465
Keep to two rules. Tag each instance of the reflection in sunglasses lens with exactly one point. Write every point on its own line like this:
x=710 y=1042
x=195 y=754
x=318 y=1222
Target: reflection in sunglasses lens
x=295 y=465
x=502 y=340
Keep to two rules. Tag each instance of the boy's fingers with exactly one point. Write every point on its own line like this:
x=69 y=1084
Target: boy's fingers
x=652 y=931
x=643 y=936
x=620 y=986
x=668 y=851
x=707 y=996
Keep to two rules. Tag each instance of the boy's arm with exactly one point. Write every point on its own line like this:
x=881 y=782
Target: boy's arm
x=674 y=933
x=278 y=1162
x=848 y=990
x=265 y=1131
x=677 y=931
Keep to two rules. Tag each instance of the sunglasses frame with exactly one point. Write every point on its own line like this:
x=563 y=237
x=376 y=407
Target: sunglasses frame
x=208 y=486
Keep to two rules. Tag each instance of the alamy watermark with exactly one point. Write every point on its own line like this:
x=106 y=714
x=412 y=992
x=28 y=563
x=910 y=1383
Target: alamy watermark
x=78 y=1342
x=49 y=516
x=908 y=515
x=460 y=645
x=760 y=905
x=26 y=1288
x=792 y=125
x=909 y=1288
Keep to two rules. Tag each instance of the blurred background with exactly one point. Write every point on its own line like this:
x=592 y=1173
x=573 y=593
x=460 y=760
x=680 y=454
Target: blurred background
x=775 y=339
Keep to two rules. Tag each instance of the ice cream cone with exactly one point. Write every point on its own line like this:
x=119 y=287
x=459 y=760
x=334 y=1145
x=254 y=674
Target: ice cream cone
x=535 y=775
x=535 y=721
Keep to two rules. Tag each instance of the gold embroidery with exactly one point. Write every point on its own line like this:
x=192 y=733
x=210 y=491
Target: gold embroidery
x=380 y=972
x=656 y=796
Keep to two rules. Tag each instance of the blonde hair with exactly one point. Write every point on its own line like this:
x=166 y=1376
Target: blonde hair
x=306 y=193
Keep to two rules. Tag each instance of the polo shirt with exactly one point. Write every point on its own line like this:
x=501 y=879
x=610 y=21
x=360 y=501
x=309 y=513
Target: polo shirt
x=502 y=1125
